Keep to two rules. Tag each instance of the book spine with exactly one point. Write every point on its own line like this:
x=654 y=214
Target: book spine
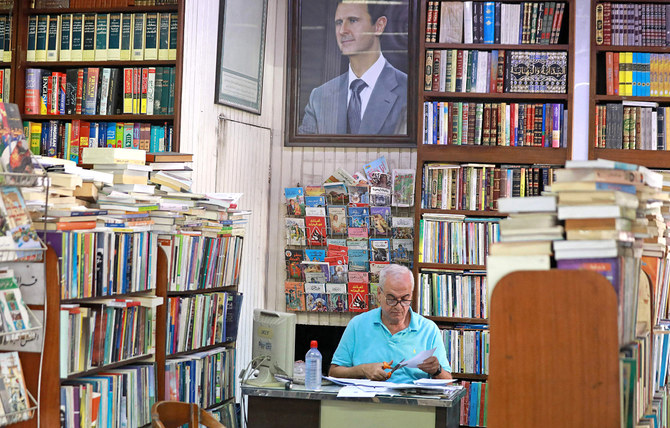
x=65 y=37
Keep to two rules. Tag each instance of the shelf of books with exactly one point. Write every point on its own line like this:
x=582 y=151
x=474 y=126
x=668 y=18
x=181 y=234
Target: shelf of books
x=622 y=235
x=98 y=76
x=495 y=115
x=341 y=233
x=629 y=104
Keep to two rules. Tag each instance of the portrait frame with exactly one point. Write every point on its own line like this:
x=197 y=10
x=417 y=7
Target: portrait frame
x=300 y=84
x=240 y=55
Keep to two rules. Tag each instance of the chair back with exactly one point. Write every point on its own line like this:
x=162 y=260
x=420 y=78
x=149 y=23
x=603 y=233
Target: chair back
x=174 y=414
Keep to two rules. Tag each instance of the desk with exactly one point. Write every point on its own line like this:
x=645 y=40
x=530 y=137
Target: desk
x=298 y=407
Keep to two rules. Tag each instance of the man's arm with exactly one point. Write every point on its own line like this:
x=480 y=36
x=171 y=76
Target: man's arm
x=372 y=371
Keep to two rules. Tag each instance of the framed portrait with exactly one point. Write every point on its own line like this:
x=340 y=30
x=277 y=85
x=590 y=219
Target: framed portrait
x=352 y=77
x=240 y=55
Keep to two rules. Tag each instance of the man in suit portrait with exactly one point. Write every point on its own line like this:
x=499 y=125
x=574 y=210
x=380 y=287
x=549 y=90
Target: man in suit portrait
x=371 y=97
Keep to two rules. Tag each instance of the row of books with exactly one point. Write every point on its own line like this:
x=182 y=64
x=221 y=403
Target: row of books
x=95 y=4
x=106 y=332
x=637 y=73
x=98 y=263
x=114 y=398
x=632 y=24
x=467 y=348
x=496 y=71
x=102 y=91
x=630 y=126
x=67 y=139
x=478 y=187
x=330 y=297
x=341 y=262
x=456 y=239
x=474 y=404
x=202 y=320
x=494 y=22
x=102 y=36
x=495 y=124
x=205 y=378
x=5 y=84
x=453 y=294
x=201 y=262
x=6 y=35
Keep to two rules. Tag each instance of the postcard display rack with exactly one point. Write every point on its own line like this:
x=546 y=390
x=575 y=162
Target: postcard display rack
x=22 y=274
x=339 y=236
x=490 y=126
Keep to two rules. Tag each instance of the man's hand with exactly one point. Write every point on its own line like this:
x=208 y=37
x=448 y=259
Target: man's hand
x=374 y=371
x=430 y=365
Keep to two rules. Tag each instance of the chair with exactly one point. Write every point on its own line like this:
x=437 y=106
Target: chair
x=174 y=414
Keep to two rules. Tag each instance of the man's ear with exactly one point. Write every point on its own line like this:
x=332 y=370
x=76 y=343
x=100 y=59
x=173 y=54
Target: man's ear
x=380 y=25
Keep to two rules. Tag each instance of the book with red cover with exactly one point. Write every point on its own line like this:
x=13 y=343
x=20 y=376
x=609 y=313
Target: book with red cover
x=316 y=230
x=359 y=297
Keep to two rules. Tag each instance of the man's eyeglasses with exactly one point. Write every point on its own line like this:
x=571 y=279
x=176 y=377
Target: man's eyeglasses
x=392 y=301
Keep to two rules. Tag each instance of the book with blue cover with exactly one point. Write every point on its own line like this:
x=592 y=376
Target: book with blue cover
x=359 y=217
x=295 y=201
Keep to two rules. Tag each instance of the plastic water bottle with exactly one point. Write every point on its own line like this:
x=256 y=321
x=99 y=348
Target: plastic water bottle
x=313 y=367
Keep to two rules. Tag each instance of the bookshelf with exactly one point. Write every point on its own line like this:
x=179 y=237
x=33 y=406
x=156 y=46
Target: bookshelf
x=606 y=139
x=505 y=150
x=22 y=14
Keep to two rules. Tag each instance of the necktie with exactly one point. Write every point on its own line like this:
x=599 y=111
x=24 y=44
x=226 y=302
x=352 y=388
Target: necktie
x=354 y=109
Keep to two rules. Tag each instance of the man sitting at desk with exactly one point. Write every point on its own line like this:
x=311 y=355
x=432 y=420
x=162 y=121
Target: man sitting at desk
x=391 y=332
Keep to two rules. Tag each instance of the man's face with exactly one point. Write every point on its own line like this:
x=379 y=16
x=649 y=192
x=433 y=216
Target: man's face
x=354 y=30
x=399 y=288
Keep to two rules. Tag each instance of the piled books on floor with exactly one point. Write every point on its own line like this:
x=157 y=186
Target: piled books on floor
x=609 y=217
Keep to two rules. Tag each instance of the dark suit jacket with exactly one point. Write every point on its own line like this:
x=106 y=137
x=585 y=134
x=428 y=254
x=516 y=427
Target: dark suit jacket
x=385 y=114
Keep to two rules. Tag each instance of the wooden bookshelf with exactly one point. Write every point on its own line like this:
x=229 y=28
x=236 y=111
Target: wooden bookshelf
x=19 y=64
x=598 y=96
x=485 y=154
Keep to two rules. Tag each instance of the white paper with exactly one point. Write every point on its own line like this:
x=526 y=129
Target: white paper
x=434 y=382
x=419 y=358
x=356 y=391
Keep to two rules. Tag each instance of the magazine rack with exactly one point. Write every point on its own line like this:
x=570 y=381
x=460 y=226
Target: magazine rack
x=20 y=414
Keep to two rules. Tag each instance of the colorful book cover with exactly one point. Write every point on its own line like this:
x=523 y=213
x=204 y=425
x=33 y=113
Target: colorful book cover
x=312 y=255
x=607 y=267
x=315 y=211
x=375 y=268
x=340 y=176
x=314 y=191
x=360 y=179
x=337 y=250
x=337 y=297
x=380 y=196
x=14 y=148
x=316 y=230
x=358 y=195
x=361 y=277
x=295 y=201
x=14 y=394
x=336 y=194
x=19 y=223
x=316 y=299
x=380 y=221
x=359 y=217
x=339 y=273
x=359 y=297
x=293 y=259
x=338 y=220
x=358 y=244
x=402 y=227
x=315 y=201
x=357 y=232
x=380 y=250
x=402 y=252
x=359 y=260
x=295 y=296
x=316 y=272
x=403 y=187
x=336 y=241
x=377 y=165
x=380 y=179
x=374 y=297
x=295 y=231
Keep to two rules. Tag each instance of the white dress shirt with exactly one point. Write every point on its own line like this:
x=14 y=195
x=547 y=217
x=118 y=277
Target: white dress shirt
x=370 y=78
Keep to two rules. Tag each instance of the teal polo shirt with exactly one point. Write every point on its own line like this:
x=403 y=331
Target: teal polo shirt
x=367 y=340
